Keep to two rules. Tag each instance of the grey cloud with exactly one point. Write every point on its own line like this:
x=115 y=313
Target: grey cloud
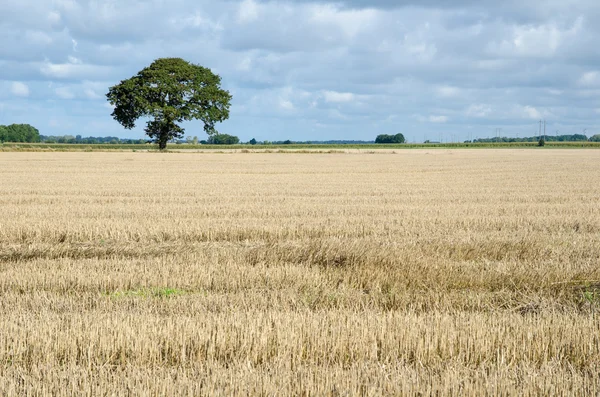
x=415 y=67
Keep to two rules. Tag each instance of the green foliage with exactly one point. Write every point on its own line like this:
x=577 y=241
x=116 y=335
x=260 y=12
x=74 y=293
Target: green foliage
x=547 y=138
x=542 y=142
x=91 y=140
x=383 y=138
x=170 y=91
x=149 y=293
x=252 y=141
x=591 y=296
x=19 y=133
x=595 y=138
x=223 y=139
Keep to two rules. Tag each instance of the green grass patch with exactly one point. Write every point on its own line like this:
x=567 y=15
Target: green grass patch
x=149 y=293
x=591 y=294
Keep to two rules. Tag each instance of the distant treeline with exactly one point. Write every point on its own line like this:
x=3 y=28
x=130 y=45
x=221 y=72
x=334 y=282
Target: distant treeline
x=222 y=139
x=19 y=133
x=28 y=134
x=547 y=138
x=331 y=142
x=89 y=140
x=384 y=138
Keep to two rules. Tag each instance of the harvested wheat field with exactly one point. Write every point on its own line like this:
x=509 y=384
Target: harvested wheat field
x=441 y=272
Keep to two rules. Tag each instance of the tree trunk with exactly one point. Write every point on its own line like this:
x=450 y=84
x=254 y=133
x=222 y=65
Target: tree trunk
x=162 y=141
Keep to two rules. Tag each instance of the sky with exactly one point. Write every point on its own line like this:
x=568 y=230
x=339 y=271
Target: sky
x=314 y=70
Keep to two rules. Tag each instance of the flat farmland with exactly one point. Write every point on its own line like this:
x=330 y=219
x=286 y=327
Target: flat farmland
x=448 y=272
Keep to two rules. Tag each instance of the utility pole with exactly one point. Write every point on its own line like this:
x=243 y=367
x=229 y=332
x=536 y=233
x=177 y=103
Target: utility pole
x=540 y=134
x=544 y=130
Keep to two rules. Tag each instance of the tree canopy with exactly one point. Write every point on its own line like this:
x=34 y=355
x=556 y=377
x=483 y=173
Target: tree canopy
x=223 y=139
x=398 y=138
x=170 y=91
x=19 y=133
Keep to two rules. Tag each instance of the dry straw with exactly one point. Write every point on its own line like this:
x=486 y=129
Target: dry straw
x=430 y=273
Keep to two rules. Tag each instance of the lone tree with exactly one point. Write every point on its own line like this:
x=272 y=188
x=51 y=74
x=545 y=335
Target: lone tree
x=170 y=91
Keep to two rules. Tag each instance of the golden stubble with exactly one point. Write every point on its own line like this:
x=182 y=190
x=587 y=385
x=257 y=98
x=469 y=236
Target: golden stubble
x=448 y=272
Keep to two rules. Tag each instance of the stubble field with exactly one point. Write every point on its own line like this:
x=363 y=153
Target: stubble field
x=449 y=272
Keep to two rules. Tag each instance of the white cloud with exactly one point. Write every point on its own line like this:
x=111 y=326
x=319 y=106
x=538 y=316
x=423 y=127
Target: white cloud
x=91 y=94
x=58 y=70
x=247 y=11
x=64 y=93
x=337 y=115
x=197 y=20
x=590 y=78
x=448 y=91
x=542 y=40
x=338 y=97
x=75 y=70
x=245 y=65
x=478 y=110
x=531 y=113
x=19 y=89
x=38 y=37
x=286 y=104
x=54 y=17
x=438 y=119
x=350 y=22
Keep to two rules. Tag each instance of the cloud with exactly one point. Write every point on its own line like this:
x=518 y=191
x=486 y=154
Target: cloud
x=448 y=91
x=73 y=70
x=438 y=119
x=478 y=110
x=54 y=17
x=313 y=68
x=91 y=94
x=20 y=89
x=338 y=97
x=350 y=22
x=286 y=104
x=64 y=93
x=247 y=11
x=531 y=113
x=590 y=79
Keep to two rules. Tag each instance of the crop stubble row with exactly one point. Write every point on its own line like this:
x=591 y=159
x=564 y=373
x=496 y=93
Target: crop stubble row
x=453 y=272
